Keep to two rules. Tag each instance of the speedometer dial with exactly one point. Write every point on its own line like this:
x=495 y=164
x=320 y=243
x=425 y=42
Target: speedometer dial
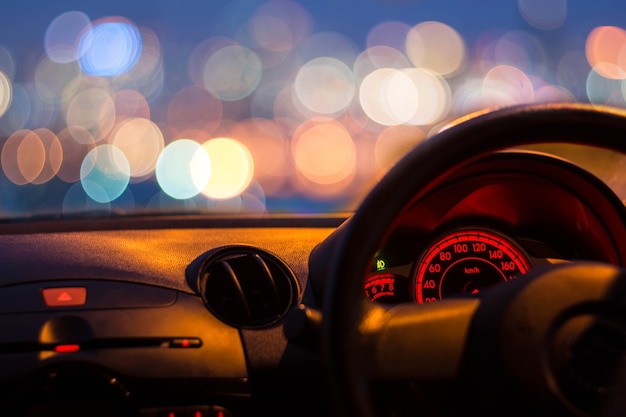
x=466 y=261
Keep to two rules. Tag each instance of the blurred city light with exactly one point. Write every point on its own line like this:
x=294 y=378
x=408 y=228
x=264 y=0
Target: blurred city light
x=273 y=108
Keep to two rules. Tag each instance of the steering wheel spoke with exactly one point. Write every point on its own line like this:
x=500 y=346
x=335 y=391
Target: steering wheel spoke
x=401 y=352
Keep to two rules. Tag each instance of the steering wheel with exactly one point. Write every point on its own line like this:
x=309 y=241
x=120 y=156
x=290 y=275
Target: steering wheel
x=514 y=350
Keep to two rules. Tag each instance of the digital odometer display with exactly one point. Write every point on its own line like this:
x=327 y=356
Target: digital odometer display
x=387 y=288
x=466 y=261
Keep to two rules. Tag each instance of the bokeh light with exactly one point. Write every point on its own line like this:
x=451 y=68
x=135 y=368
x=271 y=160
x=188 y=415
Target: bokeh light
x=147 y=75
x=603 y=90
x=412 y=96
x=6 y=93
x=325 y=85
x=31 y=157
x=505 y=85
x=76 y=203
x=141 y=141
x=109 y=47
x=76 y=143
x=385 y=90
x=63 y=35
x=271 y=33
x=297 y=19
x=17 y=170
x=433 y=97
x=425 y=43
x=45 y=147
x=541 y=14
x=377 y=57
x=232 y=73
x=232 y=168
x=520 y=50
x=269 y=148
x=56 y=82
x=183 y=169
x=201 y=54
x=571 y=73
x=105 y=173
x=130 y=104
x=94 y=110
x=606 y=51
x=324 y=152
x=553 y=94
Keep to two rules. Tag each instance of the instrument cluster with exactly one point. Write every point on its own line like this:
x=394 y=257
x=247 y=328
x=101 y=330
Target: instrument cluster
x=460 y=261
x=491 y=222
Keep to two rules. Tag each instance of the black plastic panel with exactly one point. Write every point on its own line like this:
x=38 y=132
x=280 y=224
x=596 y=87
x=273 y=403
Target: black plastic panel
x=100 y=295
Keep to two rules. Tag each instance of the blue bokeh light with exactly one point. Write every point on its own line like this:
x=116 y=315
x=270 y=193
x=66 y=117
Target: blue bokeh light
x=109 y=49
x=105 y=173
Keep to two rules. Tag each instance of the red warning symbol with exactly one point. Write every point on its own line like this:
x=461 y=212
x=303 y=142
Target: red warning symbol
x=65 y=296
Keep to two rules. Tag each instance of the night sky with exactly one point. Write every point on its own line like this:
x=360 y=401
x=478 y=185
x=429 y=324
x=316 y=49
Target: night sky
x=194 y=20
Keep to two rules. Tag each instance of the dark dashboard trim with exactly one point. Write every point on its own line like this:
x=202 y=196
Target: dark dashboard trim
x=183 y=221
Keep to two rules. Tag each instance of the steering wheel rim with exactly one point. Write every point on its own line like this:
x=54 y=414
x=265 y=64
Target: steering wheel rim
x=348 y=317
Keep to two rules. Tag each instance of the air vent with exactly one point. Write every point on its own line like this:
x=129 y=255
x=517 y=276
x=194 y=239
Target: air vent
x=246 y=287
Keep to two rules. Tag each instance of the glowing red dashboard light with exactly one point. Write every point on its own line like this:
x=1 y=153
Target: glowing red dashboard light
x=66 y=348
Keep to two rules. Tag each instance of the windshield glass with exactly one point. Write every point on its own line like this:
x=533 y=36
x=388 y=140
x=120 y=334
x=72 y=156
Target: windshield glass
x=160 y=106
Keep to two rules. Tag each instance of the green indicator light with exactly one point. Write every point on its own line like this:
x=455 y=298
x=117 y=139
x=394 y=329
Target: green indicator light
x=380 y=264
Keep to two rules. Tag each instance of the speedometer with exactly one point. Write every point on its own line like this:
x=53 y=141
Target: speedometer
x=466 y=261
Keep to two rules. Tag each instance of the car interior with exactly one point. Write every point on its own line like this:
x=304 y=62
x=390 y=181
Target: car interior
x=245 y=208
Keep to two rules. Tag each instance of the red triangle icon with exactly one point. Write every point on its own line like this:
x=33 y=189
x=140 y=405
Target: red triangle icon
x=64 y=297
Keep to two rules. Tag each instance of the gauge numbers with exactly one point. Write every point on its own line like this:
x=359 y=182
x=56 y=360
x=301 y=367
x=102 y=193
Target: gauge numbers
x=387 y=288
x=465 y=262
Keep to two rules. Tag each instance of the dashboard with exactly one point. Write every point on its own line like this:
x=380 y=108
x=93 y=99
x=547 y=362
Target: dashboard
x=107 y=318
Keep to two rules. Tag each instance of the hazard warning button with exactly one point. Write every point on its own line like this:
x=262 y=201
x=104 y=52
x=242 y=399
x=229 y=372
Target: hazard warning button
x=64 y=296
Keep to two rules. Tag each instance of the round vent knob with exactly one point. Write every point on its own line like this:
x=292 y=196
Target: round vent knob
x=247 y=287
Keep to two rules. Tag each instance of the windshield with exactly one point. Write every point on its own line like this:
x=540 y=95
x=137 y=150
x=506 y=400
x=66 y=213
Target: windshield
x=255 y=107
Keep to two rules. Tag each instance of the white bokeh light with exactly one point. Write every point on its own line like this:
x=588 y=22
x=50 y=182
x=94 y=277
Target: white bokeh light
x=183 y=169
x=325 y=85
x=232 y=168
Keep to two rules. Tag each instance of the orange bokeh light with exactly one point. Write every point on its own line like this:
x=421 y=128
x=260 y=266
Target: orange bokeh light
x=606 y=51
